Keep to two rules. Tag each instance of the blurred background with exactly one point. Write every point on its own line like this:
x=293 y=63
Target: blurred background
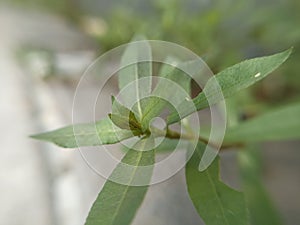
x=45 y=46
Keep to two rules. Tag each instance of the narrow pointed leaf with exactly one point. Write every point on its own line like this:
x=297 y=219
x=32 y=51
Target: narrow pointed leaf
x=216 y=203
x=118 y=108
x=232 y=80
x=173 y=79
x=135 y=65
x=118 y=203
x=89 y=134
x=280 y=124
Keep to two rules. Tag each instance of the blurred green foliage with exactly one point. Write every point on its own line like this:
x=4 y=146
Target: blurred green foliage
x=222 y=32
x=67 y=8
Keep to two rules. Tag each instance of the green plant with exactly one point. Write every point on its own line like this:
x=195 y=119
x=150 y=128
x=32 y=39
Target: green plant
x=216 y=203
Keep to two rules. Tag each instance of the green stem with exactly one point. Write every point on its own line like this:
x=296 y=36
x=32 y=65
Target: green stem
x=175 y=135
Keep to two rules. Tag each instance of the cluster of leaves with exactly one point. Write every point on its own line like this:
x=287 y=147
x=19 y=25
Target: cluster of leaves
x=216 y=203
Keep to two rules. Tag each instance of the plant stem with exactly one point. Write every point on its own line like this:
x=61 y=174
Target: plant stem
x=176 y=135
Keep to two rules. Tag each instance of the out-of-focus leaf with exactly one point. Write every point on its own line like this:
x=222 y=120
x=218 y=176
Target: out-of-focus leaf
x=216 y=203
x=118 y=203
x=231 y=80
x=279 y=124
x=89 y=134
x=261 y=208
x=135 y=65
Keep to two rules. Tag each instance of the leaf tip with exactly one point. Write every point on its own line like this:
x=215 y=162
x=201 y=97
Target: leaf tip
x=36 y=136
x=32 y=136
x=288 y=52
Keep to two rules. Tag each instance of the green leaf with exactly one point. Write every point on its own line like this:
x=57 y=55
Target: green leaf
x=118 y=108
x=261 y=208
x=136 y=64
x=216 y=203
x=124 y=123
x=167 y=146
x=280 y=124
x=231 y=80
x=118 y=203
x=172 y=79
x=170 y=71
x=124 y=118
x=89 y=134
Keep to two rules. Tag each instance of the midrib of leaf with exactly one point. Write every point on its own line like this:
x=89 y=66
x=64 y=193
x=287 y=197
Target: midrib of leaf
x=138 y=69
x=110 y=207
x=151 y=105
x=127 y=188
x=138 y=92
x=84 y=134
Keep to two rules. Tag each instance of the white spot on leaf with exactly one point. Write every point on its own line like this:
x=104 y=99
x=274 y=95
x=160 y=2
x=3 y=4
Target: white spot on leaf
x=257 y=75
